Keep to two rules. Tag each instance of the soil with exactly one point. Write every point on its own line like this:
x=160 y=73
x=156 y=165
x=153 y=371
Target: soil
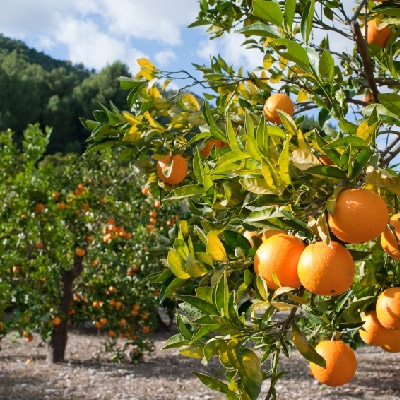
x=88 y=373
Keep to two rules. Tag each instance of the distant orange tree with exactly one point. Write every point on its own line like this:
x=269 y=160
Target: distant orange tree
x=77 y=246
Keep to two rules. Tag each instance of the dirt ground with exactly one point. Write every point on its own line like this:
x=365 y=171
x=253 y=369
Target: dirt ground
x=25 y=374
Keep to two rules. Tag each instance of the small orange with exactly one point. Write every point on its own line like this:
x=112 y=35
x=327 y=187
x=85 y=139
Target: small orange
x=80 y=252
x=278 y=101
x=324 y=270
x=372 y=332
x=271 y=232
x=206 y=150
x=39 y=207
x=97 y=324
x=103 y=321
x=145 y=190
x=378 y=35
x=389 y=242
x=279 y=256
x=388 y=308
x=368 y=97
x=178 y=169
x=61 y=205
x=111 y=333
x=341 y=363
x=391 y=341
x=56 y=320
x=360 y=216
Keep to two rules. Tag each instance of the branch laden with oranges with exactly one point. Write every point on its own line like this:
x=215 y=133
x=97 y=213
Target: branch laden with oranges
x=287 y=252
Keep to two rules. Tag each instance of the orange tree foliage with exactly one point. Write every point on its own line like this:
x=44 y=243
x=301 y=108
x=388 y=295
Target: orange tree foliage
x=67 y=217
x=270 y=175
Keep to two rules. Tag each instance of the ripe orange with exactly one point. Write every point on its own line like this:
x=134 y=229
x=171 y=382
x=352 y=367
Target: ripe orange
x=360 y=216
x=389 y=242
x=56 y=320
x=97 y=325
x=111 y=333
x=278 y=101
x=55 y=195
x=39 y=207
x=391 y=341
x=206 y=150
x=388 y=308
x=372 y=332
x=145 y=190
x=271 y=232
x=103 y=321
x=178 y=169
x=61 y=205
x=341 y=363
x=80 y=252
x=368 y=98
x=378 y=36
x=157 y=203
x=324 y=270
x=279 y=256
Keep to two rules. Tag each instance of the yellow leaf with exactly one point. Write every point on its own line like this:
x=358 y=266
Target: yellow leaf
x=130 y=118
x=215 y=248
x=148 y=71
x=302 y=96
x=304 y=159
x=145 y=63
x=190 y=102
x=268 y=60
x=154 y=93
x=165 y=84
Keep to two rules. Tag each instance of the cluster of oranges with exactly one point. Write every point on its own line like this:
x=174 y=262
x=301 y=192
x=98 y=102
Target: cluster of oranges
x=282 y=259
x=112 y=231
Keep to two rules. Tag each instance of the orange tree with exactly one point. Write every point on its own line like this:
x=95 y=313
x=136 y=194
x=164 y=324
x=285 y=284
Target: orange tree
x=76 y=245
x=253 y=172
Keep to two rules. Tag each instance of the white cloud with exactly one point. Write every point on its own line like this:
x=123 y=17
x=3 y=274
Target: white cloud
x=164 y=57
x=151 y=19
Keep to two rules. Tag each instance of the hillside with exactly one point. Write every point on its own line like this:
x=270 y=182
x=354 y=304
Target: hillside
x=35 y=88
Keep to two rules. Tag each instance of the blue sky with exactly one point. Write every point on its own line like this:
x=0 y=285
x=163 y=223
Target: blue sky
x=99 y=32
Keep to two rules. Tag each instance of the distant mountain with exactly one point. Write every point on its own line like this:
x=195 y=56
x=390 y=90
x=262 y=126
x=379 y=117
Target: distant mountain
x=35 y=88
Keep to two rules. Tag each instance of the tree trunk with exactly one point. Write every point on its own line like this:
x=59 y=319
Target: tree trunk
x=60 y=332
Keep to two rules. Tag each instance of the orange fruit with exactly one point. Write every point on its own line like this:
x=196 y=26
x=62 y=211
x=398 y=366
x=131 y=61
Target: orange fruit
x=61 y=205
x=325 y=160
x=178 y=169
x=39 y=207
x=360 y=216
x=391 y=341
x=279 y=256
x=378 y=35
x=368 y=97
x=324 y=270
x=80 y=252
x=145 y=190
x=97 y=325
x=111 y=333
x=271 y=232
x=206 y=150
x=157 y=203
x=341 y=363
x=372 y=332
x=56 y=320
x=389 y=242
x=103 y=321
x=388 y=308
x=278 y=101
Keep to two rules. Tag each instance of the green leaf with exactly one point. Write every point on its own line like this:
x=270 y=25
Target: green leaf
x=268 y=11
x=192 y=350
x=217 y=385
x=306 y=23
x=327 y=66
x=221 y=295
x=249 y=367
x=175 y=263
x=186 y=191
x=200 y=304
x=235 y=239
x=215 y=248
x=391 y=101
x=290 y=10
x=213 y=347
x=194 y=268
x=354 y=141
x=327 y=170
x=292 y=51
x=305 y=349
x=259 y=29
x=175 y=341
